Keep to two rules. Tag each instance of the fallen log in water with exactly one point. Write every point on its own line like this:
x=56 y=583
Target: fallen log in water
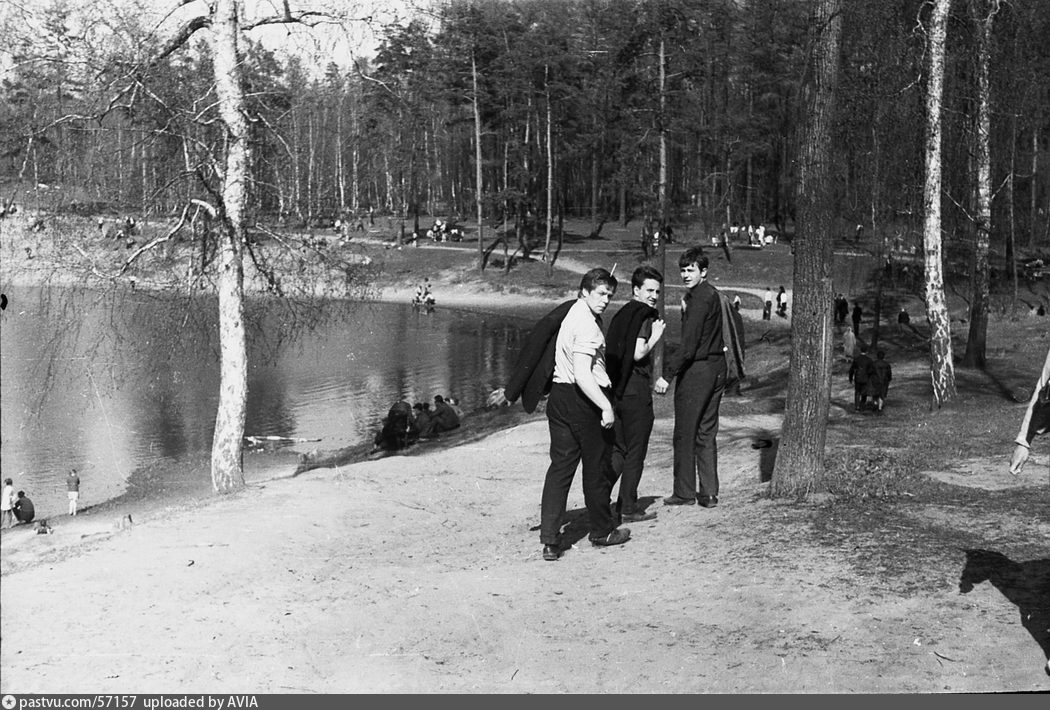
x=332 y=458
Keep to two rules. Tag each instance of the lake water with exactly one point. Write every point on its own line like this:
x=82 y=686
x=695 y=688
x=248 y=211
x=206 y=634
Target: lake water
x=123 y=386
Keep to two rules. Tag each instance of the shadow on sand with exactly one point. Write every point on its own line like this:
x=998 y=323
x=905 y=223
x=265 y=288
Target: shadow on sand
x=1024 y=584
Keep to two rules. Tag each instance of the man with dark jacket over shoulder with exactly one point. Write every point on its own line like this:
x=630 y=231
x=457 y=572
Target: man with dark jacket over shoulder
x=633 y=333
x=565 y=355
x=699 y=370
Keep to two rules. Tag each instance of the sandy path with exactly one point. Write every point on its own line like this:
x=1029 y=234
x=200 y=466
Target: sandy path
x=422 y=574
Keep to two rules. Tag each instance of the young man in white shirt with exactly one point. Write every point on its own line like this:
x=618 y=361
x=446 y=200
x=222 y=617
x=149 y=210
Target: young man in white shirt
x=580 y=416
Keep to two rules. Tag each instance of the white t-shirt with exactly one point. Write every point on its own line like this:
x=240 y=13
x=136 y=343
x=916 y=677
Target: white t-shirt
x=580 y=333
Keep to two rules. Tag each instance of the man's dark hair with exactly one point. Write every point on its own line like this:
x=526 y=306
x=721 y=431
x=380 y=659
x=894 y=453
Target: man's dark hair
x=21 y=494
x=596 y=277
x=643 y=273
x=880 y=354
x=693 y=255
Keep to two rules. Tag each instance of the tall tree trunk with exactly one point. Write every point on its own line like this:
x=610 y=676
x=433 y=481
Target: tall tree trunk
x=1011 y=235
x=227 y=473
x=800 y=459
x=878 y=234
x=550 y=176
x=942 y=369
x=978 y=335
x=662 y=188
x=478 y=176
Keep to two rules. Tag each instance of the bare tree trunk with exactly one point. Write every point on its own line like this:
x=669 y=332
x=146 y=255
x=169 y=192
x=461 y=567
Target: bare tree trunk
x=942 y=369
x=1011 y=236
x=478 y=175
x=978 y=335
x=550 y=177
x=227 y=473
x=1033 y=205
x=662 y=188
x=877 y=234
x=800 y=459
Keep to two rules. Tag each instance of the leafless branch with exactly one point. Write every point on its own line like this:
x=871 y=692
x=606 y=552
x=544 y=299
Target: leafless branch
x=155 y=242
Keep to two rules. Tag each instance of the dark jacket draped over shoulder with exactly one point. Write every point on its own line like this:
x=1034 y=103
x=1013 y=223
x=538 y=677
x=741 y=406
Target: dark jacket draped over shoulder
x=620 y=342
x=534 y=369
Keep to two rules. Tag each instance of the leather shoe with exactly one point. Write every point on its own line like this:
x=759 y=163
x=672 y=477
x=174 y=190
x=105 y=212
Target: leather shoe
x=675 y=500
x=707 y=501
x=551 y=553
x=617 y=537
x=637 y=517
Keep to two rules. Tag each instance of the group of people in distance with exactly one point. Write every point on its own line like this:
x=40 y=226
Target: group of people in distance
x=405 y=424
x=15 y=508
x=424 y=296
x=18 y=508
x=601 y=385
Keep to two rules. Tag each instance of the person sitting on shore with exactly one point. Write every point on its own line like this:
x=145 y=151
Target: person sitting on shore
x=24 y=509
x=445 y=417
x=399 y=428
x=424 y=419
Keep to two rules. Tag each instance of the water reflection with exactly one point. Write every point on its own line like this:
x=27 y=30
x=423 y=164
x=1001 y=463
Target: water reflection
x=123 y=386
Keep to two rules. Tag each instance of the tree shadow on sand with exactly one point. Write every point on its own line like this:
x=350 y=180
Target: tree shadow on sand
x=1024 y=584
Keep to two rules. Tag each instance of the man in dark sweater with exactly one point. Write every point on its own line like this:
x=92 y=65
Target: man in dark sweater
x=699 y=370
x=633 y=333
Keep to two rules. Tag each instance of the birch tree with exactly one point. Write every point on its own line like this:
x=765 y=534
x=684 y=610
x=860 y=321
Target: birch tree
x=979 y=299
x=942 y=369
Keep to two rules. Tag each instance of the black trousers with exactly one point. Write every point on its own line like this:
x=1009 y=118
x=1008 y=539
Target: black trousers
x=576 y=435
x=697 y=396
x=634 y=425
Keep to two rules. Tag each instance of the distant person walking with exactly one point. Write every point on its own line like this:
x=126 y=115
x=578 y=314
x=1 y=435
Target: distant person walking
x=849 y=345
x=883 y=373
x=1036 y=421
x=7 y=504
x=857 y=315
x=73 y=490
x=767 y=301
x=859 y=374
x=903 y=320
x=841 y=309
x=782 y=303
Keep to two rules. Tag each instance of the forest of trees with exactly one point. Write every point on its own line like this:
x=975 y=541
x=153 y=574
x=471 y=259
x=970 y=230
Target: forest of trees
x=116 y=125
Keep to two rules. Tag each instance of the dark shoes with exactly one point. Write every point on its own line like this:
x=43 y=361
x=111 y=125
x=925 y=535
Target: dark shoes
x=551 y=553
x=617 y=537
x=707 y=501
x=637 y=517
x=675 y=500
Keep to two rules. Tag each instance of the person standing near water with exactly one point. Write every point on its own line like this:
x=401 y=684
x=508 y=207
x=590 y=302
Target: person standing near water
x=73 y=490
x=7 y=504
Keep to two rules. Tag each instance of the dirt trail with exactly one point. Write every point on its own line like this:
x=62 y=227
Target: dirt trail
x=422 y=574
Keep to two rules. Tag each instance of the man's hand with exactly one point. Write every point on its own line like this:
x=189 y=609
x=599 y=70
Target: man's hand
x=661 y=386
x=608 y=418
x=659 y=325
x=1019 y=458
x=497 y=398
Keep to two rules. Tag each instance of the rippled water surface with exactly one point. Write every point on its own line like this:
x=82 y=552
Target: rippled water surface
x=124 y=386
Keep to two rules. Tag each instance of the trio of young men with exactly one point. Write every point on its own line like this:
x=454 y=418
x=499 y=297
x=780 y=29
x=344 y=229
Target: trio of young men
x=600 y=409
